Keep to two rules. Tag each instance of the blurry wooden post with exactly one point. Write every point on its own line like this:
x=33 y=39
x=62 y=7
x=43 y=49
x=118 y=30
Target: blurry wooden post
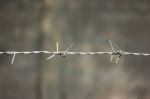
x=40 y=42
x=49 y=33
x=40 y=67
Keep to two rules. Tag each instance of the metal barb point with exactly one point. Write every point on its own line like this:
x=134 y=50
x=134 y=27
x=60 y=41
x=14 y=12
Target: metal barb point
x=117 y=60
x=115 y=51
x=57 y=47
x=69 y=47
x=65 y=52
x=50 y=57
x=14 y=55
x=61 y=53
x=111 y=45
x=111 y=58
x=57 y=51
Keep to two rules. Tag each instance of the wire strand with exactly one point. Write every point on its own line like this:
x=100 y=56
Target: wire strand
x=115 y=52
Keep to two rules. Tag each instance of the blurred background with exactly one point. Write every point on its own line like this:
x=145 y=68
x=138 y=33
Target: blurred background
x=27 y=25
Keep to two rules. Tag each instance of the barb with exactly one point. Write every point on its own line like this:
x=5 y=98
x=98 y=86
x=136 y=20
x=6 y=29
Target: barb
x=115 y=52
x=54 y=54
x=61 y=53
x=12 y=61
x=65 y=52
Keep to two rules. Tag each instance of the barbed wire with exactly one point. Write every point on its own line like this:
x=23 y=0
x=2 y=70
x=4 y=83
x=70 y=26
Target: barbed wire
x=115 y=51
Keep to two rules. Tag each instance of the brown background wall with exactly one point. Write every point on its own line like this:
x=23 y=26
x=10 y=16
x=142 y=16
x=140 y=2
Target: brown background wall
x=89 y=24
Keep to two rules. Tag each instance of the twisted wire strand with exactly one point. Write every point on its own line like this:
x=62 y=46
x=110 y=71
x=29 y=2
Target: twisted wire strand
x=73 y=53
x=115 y=52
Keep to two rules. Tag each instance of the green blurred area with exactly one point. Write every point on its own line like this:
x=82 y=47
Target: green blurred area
x=27 y=25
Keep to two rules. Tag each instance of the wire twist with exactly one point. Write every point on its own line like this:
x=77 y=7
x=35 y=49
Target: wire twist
x=116 y=52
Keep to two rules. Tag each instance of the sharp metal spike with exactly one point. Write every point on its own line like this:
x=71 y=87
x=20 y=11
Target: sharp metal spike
x=117 y=60
x=111 y=58
x=115 y=45
x=57 y=47
x=112 y=48
x=69 y=47
x=13 y=58
x=51 y=56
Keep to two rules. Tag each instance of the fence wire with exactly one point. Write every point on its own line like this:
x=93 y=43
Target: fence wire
x=115 y=51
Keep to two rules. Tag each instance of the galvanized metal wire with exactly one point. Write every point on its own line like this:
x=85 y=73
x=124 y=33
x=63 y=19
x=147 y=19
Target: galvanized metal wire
x=115 y=52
